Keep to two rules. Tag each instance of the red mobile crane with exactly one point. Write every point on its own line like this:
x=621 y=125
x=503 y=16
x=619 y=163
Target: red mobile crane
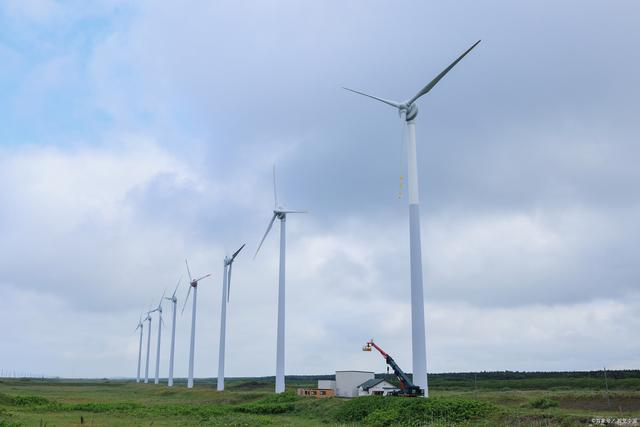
x=407 y=387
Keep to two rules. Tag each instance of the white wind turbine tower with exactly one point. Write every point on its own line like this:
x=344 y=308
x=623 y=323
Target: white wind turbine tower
x=146 y=368
x=226 y=289
x=193 y=284
x=159 y=310
x=280 y=213
x=408 y=111
x=174 y=302
x=141 y=327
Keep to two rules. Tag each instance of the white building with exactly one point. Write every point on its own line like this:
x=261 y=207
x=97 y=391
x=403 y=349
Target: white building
x=376 y=387
x=347 y=382
x=326 y=385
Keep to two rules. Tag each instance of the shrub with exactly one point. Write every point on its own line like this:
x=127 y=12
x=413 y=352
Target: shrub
x=265 y=408
x=270 y=404
x=29 y=400
x=5 y=399
x=543 y=403
x=98 y=407
x=358 y=409
x=287 y=397
x=381 y=417
x=376 y=410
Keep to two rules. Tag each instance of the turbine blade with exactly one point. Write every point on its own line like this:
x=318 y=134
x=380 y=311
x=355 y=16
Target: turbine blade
x=295 y=212
x=275 y=192
x=162 y=297
x=186 y=300
x=435 y=81
x=203 y=277
x=176 y=289
x=229 y=281
x=235 y=254
x=386 y=101
x=273 y=218
x=188 y=271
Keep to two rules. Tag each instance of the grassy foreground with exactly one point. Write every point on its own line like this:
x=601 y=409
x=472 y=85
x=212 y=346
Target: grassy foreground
x=456 y=400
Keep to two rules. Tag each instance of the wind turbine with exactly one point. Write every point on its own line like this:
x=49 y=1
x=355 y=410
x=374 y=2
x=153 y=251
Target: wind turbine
x=194 y=285
x=174 y=301
x=408 y=111
x=146 y=368
x=159 y=310
x=280 y=213
x=141 y=327
x=226 y=289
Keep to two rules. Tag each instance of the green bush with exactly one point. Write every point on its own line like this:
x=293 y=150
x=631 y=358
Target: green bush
x=358 y=409
x=381 y=417
x=543 y=403
x=271 y=404
x=29 y=400
x=266 y=408
x=5 y=399
x=98 y=407
x=377 y=410
x=287 y=397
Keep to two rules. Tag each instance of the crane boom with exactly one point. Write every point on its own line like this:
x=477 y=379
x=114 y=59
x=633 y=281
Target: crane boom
x=407 y=387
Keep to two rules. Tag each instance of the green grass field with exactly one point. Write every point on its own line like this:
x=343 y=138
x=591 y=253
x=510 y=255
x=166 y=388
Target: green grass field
x=485 y=399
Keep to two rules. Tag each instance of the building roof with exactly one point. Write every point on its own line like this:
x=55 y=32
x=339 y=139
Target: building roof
x=371 y=383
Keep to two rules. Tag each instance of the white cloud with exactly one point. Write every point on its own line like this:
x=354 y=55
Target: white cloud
x=530 y=218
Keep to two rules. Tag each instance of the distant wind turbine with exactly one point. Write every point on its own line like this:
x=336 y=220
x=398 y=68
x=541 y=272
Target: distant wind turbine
x=408 y=111
x=146 y=368
x=141 y=327
x=174 y=302
x=159 y=310
x=280 y=213
x=193 y=284
x=226 y=289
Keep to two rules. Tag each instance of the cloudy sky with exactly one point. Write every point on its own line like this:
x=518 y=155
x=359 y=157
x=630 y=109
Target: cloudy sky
x=135 y=134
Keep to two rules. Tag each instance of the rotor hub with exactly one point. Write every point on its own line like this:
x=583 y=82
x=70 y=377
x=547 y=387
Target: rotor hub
x=410 y=111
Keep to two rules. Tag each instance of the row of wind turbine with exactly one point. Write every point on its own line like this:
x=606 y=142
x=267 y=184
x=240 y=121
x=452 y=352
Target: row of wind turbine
x=408 y=111
x=280 y=213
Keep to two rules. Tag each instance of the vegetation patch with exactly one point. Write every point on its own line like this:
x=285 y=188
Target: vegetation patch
x=543 y=403
x=271 y=404
x=5 y=399
x=249 y=385
x=23 y=400
x=100 y=407
x=546 y=400
x=383 y=411
x=616 y=402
